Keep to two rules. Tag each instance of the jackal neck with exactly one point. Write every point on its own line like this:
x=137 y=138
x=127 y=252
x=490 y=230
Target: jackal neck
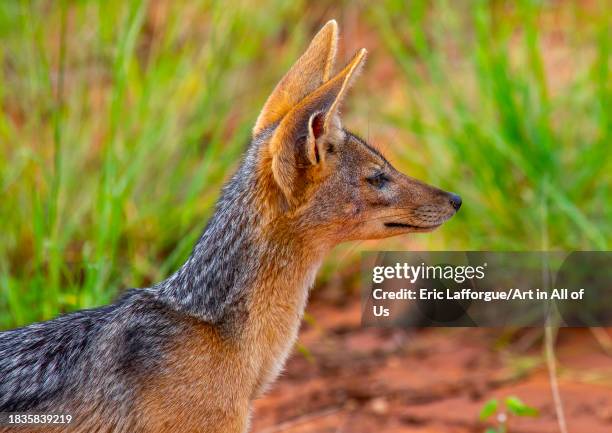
x=240 y=250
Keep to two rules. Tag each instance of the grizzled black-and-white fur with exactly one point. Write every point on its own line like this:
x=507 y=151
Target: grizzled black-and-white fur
x=89 y=358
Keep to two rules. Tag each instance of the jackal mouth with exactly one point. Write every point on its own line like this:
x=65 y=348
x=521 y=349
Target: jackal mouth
x=410 y=226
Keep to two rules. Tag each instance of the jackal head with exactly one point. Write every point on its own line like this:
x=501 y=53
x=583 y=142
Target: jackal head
x=326 y=179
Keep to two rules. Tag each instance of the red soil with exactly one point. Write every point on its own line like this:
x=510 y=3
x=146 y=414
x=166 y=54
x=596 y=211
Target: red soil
x=433 y=380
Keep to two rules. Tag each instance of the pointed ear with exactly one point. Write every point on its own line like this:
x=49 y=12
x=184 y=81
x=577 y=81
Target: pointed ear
x=311 y=70
x=295 y=145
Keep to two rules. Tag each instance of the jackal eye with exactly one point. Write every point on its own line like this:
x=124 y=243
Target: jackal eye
x=379 y=180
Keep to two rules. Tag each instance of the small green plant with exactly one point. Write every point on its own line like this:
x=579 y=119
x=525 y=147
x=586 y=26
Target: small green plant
x=512 y=406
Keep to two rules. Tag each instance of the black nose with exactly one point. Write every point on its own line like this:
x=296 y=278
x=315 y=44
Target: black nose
x=455 y=201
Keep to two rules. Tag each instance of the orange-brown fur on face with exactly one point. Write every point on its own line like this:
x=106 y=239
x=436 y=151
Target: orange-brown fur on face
x=350 y=207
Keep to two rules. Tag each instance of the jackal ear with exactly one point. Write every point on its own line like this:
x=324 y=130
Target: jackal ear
x=295 y=143
x=311 y=70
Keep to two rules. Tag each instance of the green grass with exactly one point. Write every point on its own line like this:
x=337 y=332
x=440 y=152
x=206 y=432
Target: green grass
x=121 y=120
x=533 y=167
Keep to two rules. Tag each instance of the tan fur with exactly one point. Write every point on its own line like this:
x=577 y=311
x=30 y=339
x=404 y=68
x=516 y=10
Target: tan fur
x=202 y=390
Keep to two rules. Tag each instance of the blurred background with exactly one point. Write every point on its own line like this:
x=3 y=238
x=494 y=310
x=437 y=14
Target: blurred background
x=120 y=121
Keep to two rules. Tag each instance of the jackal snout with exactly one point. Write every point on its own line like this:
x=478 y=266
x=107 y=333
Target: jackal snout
x=427 y=207
x=394 y=203
x=432 y=206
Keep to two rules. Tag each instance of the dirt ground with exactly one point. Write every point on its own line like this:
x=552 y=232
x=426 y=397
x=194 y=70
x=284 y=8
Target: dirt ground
x=357 y=380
